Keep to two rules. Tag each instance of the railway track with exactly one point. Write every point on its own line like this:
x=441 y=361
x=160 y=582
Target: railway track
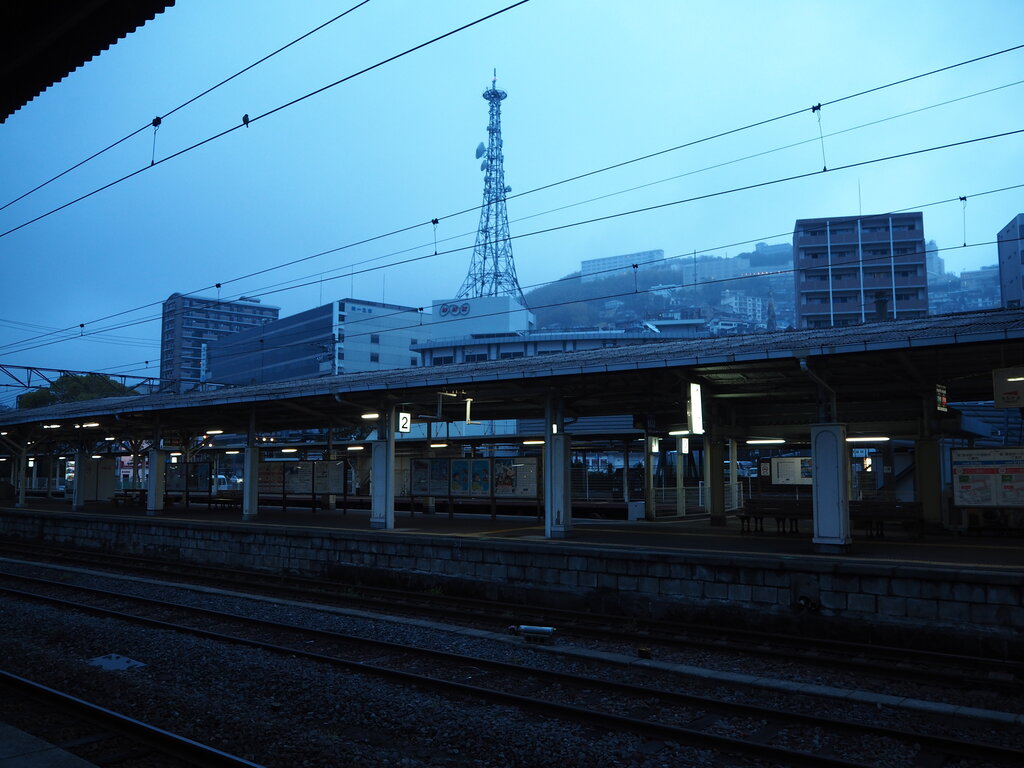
x=649 y=708
x=992 y=673
x=105 y=737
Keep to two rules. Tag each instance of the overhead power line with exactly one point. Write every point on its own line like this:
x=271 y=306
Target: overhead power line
x=365 y=241
x=580 y=223
x=158 y=120
x=350 y=334
x=252 y=120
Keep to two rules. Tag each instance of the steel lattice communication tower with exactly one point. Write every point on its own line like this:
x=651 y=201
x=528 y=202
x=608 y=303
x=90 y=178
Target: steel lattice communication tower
x=492 y=272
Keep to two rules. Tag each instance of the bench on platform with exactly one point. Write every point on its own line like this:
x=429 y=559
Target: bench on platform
x=871 y=515
x=787 y=513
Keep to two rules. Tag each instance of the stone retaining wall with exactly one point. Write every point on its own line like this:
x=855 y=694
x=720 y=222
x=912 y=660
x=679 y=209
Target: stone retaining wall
x=968 y=610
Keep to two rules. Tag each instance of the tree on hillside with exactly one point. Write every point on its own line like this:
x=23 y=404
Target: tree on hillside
x=71 y=388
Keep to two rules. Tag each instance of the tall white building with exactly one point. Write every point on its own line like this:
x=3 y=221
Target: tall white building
x=595 y=269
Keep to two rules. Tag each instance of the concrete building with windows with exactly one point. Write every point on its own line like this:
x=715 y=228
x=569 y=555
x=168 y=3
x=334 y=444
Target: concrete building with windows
x=855 y=269
x=608 y=266
x=979 y=288
x=346 y=336
x=1011 y=262
x=190 y=324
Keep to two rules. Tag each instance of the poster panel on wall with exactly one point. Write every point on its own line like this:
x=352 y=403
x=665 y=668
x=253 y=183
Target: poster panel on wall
x=480 y=478
x=439 y=477
x=792 y=470
x=271 y=476
x=991 y=477
x=460 y=477
x=419 y=480
x=298 y=477
x=515 y=477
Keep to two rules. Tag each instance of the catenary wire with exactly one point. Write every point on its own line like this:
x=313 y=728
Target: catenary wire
x=180 y=106
x=252 y=120
x=550 y=305
x=576 y=204
x=548 y=186
x=681 y=256
x=711 y=281
x=809 y=174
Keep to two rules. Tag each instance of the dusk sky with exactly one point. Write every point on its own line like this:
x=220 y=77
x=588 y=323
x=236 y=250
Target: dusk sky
x=590 y=84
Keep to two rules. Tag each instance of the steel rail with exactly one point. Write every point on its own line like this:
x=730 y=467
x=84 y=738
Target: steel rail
x=682 y=734
x=999 y=674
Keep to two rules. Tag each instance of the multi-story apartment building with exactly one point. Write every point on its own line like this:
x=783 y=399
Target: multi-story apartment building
x=979 y=288
x=191 y=323
x=1011 y=262
x=751 y=308
x=853 y=269
x=345 y=336
x=608 y=266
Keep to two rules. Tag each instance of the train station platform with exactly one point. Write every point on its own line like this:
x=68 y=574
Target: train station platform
x=691 y=533
x=937 y=583
x=21 y=750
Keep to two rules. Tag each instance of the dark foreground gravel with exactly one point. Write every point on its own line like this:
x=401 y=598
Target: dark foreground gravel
x=283 y=711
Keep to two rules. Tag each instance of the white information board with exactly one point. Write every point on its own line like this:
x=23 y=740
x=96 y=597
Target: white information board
x=792 y=470
x=992 y=477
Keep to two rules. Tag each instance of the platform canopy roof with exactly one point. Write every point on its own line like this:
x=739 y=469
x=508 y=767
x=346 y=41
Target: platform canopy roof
x=876 y=376
x=43 y=41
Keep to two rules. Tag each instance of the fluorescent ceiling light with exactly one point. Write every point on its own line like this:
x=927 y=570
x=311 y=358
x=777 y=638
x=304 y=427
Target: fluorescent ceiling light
x=369 y=416
x=766 y=441
x=231 y=453
x=677 y=432
x=439 y=445
x=289 y=450
x=354 y=448
x=878 y=439
x=110 y=439
x=533 y=442
x=96 y=456
x=215 y=431
x=92 y=424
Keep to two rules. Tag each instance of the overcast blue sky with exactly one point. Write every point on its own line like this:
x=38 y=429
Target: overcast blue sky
x=589 y=84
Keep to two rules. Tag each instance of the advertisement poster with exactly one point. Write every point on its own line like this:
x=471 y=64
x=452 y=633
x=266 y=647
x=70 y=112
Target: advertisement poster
x=328 y=476
x=419 y=481
x=988 y=477
x=480 y=480
x=439 y=477
x=504 y=477
x=336 y=480
x=460 y=476
x=515 y=477
x=271 y=476
x=298 y=477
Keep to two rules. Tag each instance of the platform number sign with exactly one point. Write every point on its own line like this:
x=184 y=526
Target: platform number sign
x=404 y=422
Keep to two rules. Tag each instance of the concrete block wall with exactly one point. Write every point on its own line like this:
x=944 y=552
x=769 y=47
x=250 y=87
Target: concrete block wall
x=975 y=610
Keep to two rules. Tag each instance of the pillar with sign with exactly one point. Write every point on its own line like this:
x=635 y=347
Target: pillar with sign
x=831 y=488
x=156 y=480
x=382 y=473
x=557 y=488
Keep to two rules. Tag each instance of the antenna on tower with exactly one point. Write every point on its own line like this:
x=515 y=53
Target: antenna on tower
x=492 y=271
